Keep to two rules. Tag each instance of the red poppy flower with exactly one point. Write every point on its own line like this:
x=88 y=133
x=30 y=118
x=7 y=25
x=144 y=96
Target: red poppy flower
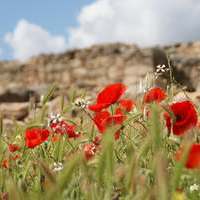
x=55 y=138
x=71 y=131
x=89 y=151
x=117 y=134
x=109 y=95
x=62 y=127
x=100 y=120
x=13 y=147
x=17 y=156
x=4 y=196
x=104 y=119
x=185 y=117
x=117 y=118
x=5 y=163
x=193 y=157
x=36 y=136
x=154 y=95
x=97 y=140
x=126 y=104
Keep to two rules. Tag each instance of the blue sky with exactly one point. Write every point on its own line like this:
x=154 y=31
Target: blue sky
x=53 y=15
x=31 y=27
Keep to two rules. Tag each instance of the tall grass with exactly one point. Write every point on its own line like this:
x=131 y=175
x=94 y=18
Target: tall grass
x=140 y=165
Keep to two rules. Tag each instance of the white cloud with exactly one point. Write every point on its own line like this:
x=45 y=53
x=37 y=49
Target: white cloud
x=29 y=40
x=146 y=22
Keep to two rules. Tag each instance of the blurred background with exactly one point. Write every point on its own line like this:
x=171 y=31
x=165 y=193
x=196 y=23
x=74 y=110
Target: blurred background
x=30 y=28
x=88 y=43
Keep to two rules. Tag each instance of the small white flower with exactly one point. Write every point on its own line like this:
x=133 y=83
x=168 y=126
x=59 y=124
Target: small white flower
x=57 y=166
x=54 y=118
x=81 y=102
x=161 y=69
x=194 y=187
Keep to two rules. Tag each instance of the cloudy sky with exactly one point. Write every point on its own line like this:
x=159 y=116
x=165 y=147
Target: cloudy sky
x=28 y=28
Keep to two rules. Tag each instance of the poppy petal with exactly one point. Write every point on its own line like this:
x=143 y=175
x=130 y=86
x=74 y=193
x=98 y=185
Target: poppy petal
x=186 y=117
x=108 y=96
x=154 y=95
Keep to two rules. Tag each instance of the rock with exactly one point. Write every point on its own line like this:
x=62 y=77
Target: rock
x=159 y=57
x=109 y=62
x=16 y=111
x=19 y=93
x=94 y=67
x=14 y=93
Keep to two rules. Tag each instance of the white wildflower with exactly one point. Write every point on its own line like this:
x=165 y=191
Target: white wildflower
x=161 y=69
x=194 y=187
x=57 y=166
x=81 y=102
x=54 y=118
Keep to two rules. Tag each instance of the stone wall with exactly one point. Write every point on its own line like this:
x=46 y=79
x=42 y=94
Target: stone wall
x=94 y=67
x=91 y=69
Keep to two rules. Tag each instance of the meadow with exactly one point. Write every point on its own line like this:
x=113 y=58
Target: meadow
x=110 y=147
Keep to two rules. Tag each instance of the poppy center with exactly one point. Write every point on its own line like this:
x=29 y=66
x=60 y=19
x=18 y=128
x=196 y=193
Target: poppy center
x=179 y=117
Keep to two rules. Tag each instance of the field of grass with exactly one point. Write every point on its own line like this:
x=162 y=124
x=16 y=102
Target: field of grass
x=109 y=148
